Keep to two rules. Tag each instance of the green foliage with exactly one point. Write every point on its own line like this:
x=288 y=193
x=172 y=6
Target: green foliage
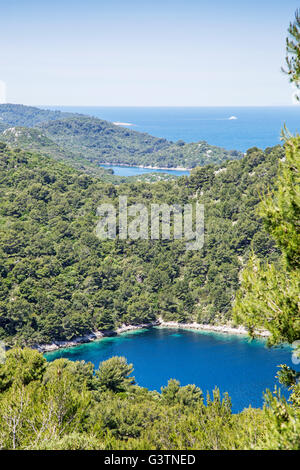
x=82 y=373
x=189 y=395
x=283 y=424
x=281 y=212
x=114 y=374
x=59 y=281
x=21 y=366
x=73 y=441
x=35 y=140
x=287 y=376
x=269 y=294
x=290 y=378
x=268 y=299
x=293 y=52
x=64 y=406
x=27 y=116
x=33 y=412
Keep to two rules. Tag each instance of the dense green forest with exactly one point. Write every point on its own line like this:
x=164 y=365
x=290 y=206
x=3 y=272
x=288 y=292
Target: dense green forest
x=269 y=293
x=85 y=142
x=59 y=281
x=35 y=140
x=27 y=116
x=68 y=405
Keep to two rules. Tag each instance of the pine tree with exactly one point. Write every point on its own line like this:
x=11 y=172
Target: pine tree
x=269 y=294
x=293 y=52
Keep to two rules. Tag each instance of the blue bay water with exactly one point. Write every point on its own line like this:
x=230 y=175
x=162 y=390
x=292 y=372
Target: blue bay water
x=254 y=126
x=136 y=170
x=243 y=368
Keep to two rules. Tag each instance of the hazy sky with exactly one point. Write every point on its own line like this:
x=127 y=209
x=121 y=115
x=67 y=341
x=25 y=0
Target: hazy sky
x=145 y=53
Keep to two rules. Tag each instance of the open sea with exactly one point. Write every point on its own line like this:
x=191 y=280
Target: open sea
x=234 y=128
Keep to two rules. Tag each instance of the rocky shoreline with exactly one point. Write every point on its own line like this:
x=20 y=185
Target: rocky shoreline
x=225 y=329
x=90 y=337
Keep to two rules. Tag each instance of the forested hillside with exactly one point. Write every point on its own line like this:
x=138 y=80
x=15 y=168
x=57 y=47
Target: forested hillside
x=58 y=280
x=34 y=139
x=90 y=141
x=101 y=141
x=27 y=116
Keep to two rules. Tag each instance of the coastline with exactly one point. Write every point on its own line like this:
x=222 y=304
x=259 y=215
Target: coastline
x=223 y=329
x=44 y=348
x=178 y=168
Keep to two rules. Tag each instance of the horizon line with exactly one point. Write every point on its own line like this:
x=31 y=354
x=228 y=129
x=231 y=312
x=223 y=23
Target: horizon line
x=161 y=106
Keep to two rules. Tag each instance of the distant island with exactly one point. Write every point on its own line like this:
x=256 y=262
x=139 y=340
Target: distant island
x=86 y=142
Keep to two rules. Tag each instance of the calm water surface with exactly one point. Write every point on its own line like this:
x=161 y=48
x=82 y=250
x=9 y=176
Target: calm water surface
x=243 y=368
x=253 y=126
x=136 y=170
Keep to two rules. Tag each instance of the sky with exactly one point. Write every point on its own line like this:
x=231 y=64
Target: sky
x=145 y=53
